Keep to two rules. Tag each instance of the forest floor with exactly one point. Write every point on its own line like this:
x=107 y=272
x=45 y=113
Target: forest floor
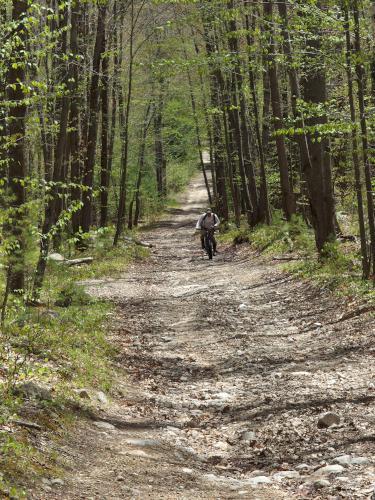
x=225 y=367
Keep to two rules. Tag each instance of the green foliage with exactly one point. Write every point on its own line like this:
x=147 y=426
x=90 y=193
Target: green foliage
x=59 y=347
x=337 y=269
x=278 y=237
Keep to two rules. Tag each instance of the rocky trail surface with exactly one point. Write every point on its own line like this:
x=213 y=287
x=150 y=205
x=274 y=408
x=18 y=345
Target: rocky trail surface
x=241 y=382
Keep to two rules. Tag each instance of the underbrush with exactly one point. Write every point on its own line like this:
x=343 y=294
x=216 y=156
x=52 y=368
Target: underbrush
x=49 y=351
x=338 y=268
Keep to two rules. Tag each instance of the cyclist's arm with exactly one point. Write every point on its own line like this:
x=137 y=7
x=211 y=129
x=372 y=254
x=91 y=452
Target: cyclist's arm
x=199 y=223
x=217 y=223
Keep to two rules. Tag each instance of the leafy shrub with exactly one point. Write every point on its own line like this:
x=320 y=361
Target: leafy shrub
x=72 y=294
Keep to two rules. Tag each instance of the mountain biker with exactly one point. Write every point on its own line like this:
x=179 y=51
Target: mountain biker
x=208 y=220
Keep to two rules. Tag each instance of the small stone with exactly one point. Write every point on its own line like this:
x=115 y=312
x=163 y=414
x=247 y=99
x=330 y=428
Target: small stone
x=120 y=478
x=186 y=470
x=248 y=437
x=360 y=461
x=82 y=393
x=255 y=473
x=321 y=483
x=328 y=419
x=221 y=445
x=57 y=482
x=303 y=467
x=104 y=425
x=101 y=397
x=242 y=307
x=223 y=395
x=50 y=314
x=143 y=442
x=254 y=481
x=286 y=474
x=343 y=479
x=330 y=469
x=33 y=390
x=343 y=460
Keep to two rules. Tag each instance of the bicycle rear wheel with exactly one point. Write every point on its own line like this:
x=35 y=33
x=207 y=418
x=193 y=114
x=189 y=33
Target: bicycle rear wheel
x=209 y=247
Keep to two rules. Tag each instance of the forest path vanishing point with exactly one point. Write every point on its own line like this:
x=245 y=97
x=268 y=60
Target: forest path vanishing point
x=228 y=366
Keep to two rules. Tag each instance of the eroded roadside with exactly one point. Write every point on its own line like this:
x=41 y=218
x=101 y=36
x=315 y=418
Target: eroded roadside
x=227 y=367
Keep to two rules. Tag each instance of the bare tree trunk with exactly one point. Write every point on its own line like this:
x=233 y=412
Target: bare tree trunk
x=141 y=164
x=90 y=147
x=317 y=171
x=197 y=132
x=160 y=162
x=104 y=160
x=16 y=153
x=215 y=76
x=112 y=133
x=54 y=204
x=125 y=136
x=355 y=157
x=208 y=129
x=289 y=204
x=75 y=162
x=248 y=174
x=301 y=139
x=363 y=121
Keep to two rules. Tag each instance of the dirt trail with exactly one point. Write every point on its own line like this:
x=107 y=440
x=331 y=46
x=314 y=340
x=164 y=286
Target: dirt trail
x=229 y=364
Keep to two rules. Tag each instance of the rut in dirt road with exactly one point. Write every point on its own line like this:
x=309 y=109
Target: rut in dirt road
x=229 y=365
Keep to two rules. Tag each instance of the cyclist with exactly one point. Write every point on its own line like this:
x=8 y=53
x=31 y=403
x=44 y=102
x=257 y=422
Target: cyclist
x=208 y=220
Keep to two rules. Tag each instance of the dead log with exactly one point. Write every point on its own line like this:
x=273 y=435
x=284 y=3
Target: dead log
x=77 y=262
x=138 y=242
x=28 y=425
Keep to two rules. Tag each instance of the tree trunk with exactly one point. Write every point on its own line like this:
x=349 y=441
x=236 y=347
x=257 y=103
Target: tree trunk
x=197 y=131
x=54 y=204
x=141 y=165
x=301 y=139
x=217 y=134
x=75 y=160
x=114 y=108
x=317 y=171
x=363 y=120
x=92 y=127
x=355 y=157
x=125 y=136
x=160 y=161
x=16 y=153
x=104 y=177
x=289 y=204
x=239 y=101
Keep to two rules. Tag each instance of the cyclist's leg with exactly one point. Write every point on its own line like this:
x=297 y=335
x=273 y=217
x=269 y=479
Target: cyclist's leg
x=214 y=243
x=202 y=240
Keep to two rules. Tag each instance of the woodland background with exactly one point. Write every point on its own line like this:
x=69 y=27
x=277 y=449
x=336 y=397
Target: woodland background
x=107 y=108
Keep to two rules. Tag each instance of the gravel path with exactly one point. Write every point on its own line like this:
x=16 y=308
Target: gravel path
x=228 y=366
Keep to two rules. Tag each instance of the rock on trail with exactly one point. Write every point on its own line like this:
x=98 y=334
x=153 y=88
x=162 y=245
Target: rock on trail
x=225 y=368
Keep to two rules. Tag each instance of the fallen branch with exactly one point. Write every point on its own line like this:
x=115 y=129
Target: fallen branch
x=138 y=242
x=28 y=425
x=357 y=312
x=286 y=258
x=77 y=262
